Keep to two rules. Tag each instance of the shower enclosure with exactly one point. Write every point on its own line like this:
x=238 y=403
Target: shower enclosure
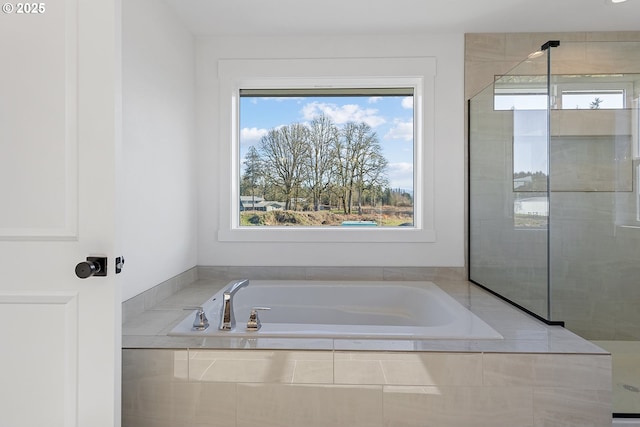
x=554 y=201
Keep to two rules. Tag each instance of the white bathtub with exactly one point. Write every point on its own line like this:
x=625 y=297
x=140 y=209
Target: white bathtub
x=341 y=309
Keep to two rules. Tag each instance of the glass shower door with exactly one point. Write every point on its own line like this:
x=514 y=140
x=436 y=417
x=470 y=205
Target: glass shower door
x=595 y=203
x=508 y=196
x=554 y=196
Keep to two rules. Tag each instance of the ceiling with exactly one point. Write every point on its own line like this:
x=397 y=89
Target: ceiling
x=341 y=17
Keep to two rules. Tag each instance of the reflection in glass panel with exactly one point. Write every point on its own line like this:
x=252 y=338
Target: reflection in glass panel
x=581 y=92
x=593 y=99
x=530 y=169
x=520 y=93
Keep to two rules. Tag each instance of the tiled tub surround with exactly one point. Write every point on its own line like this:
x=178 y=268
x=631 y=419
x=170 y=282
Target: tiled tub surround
x=205 y=387
x=538 y=375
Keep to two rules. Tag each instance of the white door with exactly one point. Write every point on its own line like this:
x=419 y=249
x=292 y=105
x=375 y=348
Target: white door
x=59 y=144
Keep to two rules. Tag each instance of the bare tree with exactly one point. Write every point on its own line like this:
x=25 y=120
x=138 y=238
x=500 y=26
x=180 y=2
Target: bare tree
x=283 y=152
x=370 y=165
x=344 y=164
x=323 y=135
x=319 y=159
x=359 y=163
x=370 y=175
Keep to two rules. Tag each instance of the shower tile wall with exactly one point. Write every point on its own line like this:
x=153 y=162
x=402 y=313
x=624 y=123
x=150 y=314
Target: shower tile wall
x=490 y=54
x=338 y=388
x=596 y=268
x=594 y=255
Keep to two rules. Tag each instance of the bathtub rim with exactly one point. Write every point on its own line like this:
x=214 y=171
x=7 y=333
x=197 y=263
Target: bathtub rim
x=483 y=331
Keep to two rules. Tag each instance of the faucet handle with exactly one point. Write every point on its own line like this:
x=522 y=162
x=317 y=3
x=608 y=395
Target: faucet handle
x=200 y=323
x=254 y=321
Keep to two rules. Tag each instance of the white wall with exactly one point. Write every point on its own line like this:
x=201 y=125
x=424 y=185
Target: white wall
x=159 y=230
x=448 y=250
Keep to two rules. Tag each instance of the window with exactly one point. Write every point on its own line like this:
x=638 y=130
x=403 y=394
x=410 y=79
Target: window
x=274 y=191
x=320 y=157
x=536 y=154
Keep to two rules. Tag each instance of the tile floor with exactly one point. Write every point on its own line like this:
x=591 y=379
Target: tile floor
x=626 y=375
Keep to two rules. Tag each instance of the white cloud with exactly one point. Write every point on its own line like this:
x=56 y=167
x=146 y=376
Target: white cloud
x=400 y=175
x=401 y=130
x=374 y=99
x=341 y=114
x=407 y=102
x=250 y=136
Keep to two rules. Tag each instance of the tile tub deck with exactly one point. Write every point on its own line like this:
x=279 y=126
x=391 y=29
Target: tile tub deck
x=538 y=375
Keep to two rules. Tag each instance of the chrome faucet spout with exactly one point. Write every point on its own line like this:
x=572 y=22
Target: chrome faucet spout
x=235 y=286
x=227 y=319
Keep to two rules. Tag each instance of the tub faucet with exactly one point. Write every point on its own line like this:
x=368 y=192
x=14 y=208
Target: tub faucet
x=227 y=319
x=200 y=323
x=254 y=321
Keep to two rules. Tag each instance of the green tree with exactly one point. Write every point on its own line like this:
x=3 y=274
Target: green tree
x=253 y=173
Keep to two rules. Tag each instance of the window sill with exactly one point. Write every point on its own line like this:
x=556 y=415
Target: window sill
x=327 y=235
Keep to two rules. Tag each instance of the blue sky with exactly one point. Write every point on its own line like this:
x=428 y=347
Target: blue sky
x=391 y=117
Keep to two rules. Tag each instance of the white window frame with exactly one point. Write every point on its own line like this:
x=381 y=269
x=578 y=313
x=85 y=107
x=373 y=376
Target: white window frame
x=236 y=74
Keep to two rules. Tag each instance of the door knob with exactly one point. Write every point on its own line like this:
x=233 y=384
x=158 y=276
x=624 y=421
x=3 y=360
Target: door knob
x=93 y=266
x=119 y=264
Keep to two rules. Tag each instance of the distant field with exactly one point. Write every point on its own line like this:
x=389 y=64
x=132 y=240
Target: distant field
x=530 y=221
x=387 y=216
